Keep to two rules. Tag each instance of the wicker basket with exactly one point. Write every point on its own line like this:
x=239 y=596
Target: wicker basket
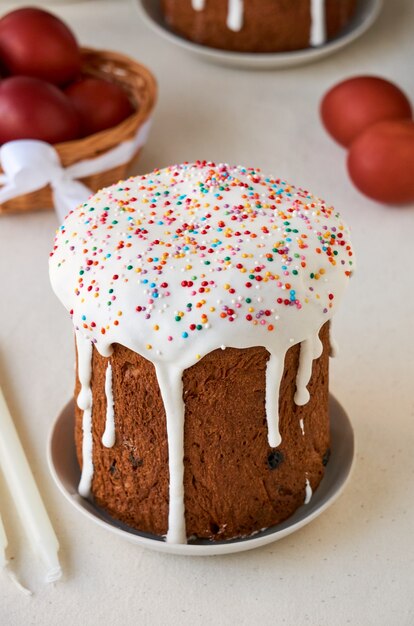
x=141 y=86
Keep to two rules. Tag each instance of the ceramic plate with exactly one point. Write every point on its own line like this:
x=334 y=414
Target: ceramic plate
x=66 y=474
x=366 y=13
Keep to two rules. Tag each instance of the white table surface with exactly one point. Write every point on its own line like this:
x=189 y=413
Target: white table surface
x=354 y=564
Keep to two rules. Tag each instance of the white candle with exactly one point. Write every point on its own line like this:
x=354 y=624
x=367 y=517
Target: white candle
x=4 y=562
x=26 y=495
x=3 y=545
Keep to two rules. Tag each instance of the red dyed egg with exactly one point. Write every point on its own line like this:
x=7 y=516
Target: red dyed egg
x=381 y=162
x=35 y=43
x=355 y=104
x=33 y=109
x=100 y=104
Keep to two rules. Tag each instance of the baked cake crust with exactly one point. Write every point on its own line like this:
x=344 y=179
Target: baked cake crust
x=234 y=483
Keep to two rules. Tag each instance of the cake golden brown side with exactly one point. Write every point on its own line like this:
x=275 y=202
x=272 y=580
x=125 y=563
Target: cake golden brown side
x=234 y=482
x=267 y=25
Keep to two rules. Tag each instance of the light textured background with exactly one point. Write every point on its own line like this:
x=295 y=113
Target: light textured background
x=354 y=564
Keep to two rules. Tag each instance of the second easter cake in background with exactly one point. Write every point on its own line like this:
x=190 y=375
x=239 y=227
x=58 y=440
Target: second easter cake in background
x=258 y=25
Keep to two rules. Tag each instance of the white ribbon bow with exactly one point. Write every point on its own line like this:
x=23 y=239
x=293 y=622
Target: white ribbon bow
x=29 y=165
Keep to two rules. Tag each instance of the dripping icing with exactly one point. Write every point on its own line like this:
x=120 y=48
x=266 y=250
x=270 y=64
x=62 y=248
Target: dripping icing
x=171 y=389
x=310 y=349
x=274 y=371
x=108 y=437
x=308 y=491
x=318 y=23
x=84 y=401
x=235 y=15
x=198 y=5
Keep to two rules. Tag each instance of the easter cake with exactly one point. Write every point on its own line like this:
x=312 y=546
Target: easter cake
x=201 y=296
x=258 y=25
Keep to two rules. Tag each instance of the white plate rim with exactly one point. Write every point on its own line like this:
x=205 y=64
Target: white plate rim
x=212 y=548
x=369 y=9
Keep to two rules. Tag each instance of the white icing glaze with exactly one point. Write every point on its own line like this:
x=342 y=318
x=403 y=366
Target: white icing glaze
x=198 y=5
x=108 y=437
x=310 y=349
x=235 y=15
x=197 y=257
x=302 y=426
x=84 y=401
x=274 y=371
x=308 y=492
x=171 y=387
x=318 y=23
